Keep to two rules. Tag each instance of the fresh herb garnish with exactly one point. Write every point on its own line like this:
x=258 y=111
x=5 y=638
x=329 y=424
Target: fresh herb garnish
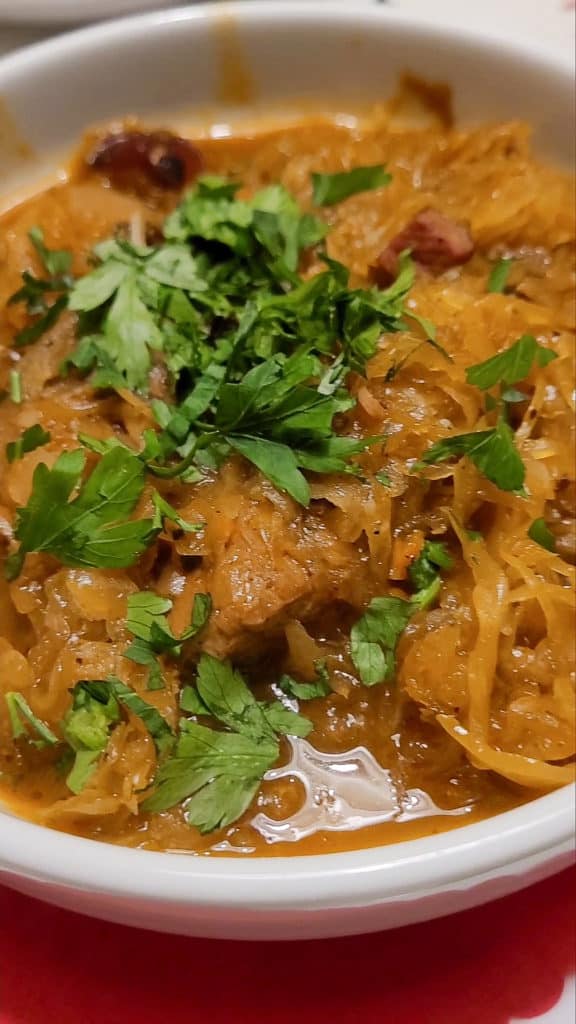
x=15 y=386
x=510 y=366
x=329 y=189
x=56 y=262
x=499 y=275
x=164 y=510
x=220 y=303
x=177 y=297
x=276 y=420
x=374 y=637
x=540 y=533
x=22 y=719
x=425 y=569
x=218 y=773
x=87 y=727
x=96 y=709
x=316 y=688
x=35 y=291
x=147 y=622
x=92 y=529
x=493 y=452
x=32 y=438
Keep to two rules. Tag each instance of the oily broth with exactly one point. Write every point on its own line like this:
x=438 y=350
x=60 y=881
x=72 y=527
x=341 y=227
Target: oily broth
x=59 y=626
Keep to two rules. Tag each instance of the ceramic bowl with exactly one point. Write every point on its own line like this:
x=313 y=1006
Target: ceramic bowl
x=280 y=54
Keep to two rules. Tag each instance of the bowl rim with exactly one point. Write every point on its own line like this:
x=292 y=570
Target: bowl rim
x=530 y=834
x=85 y=37
x=526 y=836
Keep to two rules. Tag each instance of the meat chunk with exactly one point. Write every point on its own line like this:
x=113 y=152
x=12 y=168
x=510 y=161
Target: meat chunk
x=136 y=161
x=264 y=562
x=436 y=242
x=271 y=571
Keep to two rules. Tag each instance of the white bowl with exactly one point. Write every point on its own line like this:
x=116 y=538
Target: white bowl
x=161 y=62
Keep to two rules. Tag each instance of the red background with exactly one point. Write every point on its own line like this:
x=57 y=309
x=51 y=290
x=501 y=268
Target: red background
x=507 y=959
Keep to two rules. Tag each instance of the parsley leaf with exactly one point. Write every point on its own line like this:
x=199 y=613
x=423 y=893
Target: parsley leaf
x=164 y=510
x=374 y=637
x=56 y=263
x=86 y=727
x=328 y=189
x=95 y=711
x=141 y=653
x=147 y=620
x=424 y=569
x=20 y=712
x=15 y=387
x=542 y=535
x=155 y=723
x=144 y=609
x=493 y=452
x=510 y=366
x=225 y=694
x=32 y=438
x=219 y=773
x=97 y=287
x=277 y=462
x=499 y=275
x=152 y=634
x=318 y=687
x=129 y=332
x=29 y=335
x=88 y=530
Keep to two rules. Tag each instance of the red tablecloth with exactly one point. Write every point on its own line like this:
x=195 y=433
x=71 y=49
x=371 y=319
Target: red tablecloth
x=508 y=959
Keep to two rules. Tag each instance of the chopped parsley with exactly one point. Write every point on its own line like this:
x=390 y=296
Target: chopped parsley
x=499 y=275
x=329 y=189
x=510 y=366
x=217 y=773
x=493 y=452
x=56 y=262
x=23 y=719
x=540 y=533
x=87 y=727
x=275 y=419
x=221 y=303
x=96 y=710
x=374 y=637
x=32 y=438
x=15 y=387
x=425 y=569
x=91 y=529
x=153 y=635
x=35 y=291
x=316 y=688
